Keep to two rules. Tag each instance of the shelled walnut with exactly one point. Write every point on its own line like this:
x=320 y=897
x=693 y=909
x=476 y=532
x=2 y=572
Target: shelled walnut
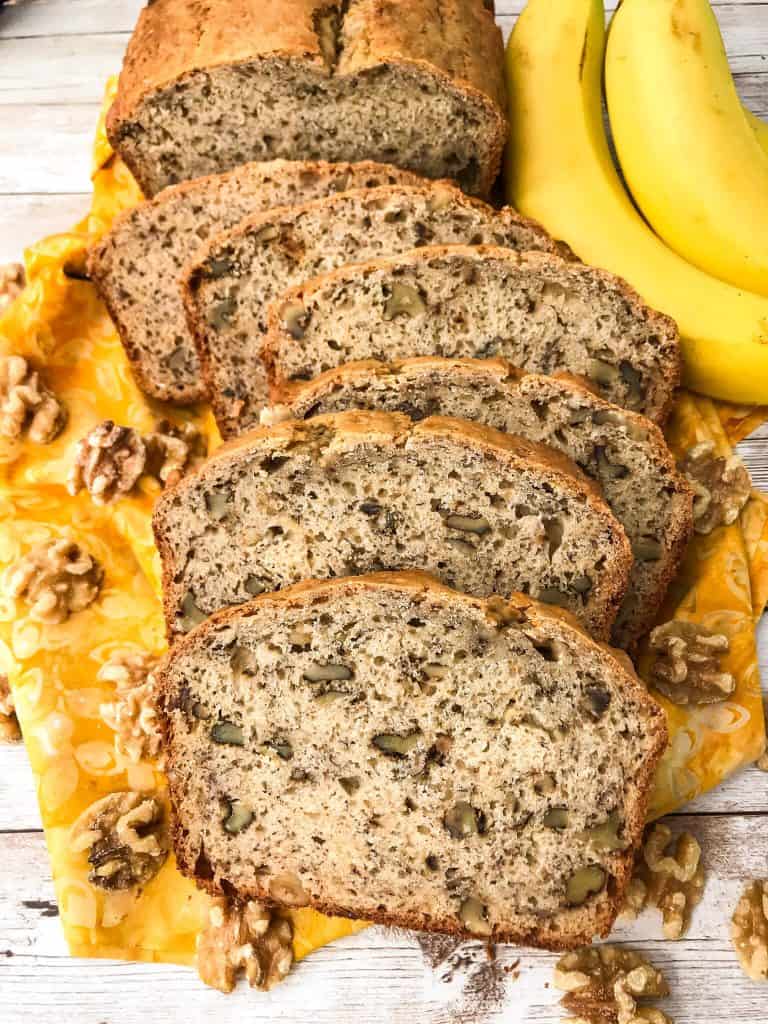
x=12 y=280
x=26 y=405
x=172 y=450
x=247 y=936
x=126 y=837
x=721 y=486
x=109 y=461
x=55 y=578
x=603 y=983
x=749 y=930
x=133 y=713
x=669 y=875
x=9 y=726
x=687 y=666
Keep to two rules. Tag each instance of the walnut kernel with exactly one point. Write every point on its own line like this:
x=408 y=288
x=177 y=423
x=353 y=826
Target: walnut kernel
x=56 y=578
x=172 y=450
x=721 y=486
x=133 y=713
x=603 y=984
x=247 y=936
x=9 y=726
x=12 y=280
x=109 y=461
x=749 y=930
x=26 y=404
x=687 y=665
x=126 y=838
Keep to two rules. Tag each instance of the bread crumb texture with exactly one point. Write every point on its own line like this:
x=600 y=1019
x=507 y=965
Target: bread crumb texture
x=54 y=670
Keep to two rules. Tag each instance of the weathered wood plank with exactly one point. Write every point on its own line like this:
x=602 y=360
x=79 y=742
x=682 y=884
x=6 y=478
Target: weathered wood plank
x=27 y=218
x=46 y=149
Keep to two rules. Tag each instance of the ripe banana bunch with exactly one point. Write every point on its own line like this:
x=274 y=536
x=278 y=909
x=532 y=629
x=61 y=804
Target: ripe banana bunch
x=688 y=152
x=560 y=171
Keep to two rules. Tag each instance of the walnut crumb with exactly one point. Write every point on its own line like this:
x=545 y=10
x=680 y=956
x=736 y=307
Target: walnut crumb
x=669 y=875
x=126 y=838
x=9 y=725
x=55 y=578
x=749 y=930
x=721 y=486
x=12 y=281
x=133 y=713
x=687 y=667
x=603 y=983
x=26 y=404
x=247 y=936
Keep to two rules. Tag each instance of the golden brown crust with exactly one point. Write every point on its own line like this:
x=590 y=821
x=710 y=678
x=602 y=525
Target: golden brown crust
x=662 y=324
x=395 y=428
x=575 y=927
x=455 y=41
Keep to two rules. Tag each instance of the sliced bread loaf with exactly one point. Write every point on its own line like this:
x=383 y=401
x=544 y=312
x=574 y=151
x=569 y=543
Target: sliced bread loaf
x=205 y=87
x=137 y=265
x=625 y=453
x=538 y=312
x=355 y=492
x=233 y=281
x=388 y=749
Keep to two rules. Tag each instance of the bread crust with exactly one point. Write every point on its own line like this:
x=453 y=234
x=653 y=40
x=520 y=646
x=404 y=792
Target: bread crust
x=501 y=371
x=397 y=429
x=455 y=43
x=581 y=924
x=658 y=322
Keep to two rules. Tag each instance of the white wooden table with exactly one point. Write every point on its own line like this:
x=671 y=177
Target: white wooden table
x=54 y=58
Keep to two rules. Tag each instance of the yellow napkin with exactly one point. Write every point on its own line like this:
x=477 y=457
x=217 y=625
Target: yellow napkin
x=60 y=324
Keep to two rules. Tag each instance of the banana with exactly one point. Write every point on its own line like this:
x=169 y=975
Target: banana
x=559 y=170
x=760 y=128
x=689 y=154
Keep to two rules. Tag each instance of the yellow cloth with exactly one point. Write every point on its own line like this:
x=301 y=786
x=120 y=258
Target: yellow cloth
x=52 y=669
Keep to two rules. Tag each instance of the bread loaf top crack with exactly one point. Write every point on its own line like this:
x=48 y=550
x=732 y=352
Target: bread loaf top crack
x=354 y=492
x=205 y=87
x=625 y=453
x=386 y=748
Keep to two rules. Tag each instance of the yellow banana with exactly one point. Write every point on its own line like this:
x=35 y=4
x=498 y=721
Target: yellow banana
x=559 y=170
x=689 y=154
x=760 y=128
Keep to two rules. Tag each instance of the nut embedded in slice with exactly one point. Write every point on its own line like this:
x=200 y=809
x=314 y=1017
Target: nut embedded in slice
x=245 y=936
x=721 y=486
x=126 y=838
x=749 y=930
x=687 y=667
x=133 y=713
x=26 y=405
x=55 y=578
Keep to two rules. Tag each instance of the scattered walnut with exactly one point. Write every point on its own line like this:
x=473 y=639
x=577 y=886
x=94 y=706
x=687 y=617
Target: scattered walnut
x=669 y=875
x=126 y=838
x=247 y=936
x=172 y=450
x=133 y=713
x=603 y=983
x=12 y=280
x=749 y=930
x=26 y=404
x=687 y=665
x=56 y=578
x=721 y=486
x=9 y=726
x=108 y=462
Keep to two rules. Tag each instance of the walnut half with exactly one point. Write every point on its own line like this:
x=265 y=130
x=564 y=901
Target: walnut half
x=133 y=713
x=721 y=486
x=126 y=837
x=108 y=462
x=247 y=936
x=687 y=668
x=56 y=578
x=749 y=930
x=26 y=405
x=12 y=280
x=603 y=983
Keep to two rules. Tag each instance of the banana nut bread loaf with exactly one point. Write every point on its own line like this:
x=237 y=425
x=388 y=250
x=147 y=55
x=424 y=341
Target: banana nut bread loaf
x=388 y=749
x=540 y=313
x=356 y=492
x=138 y=264
x=416 y=83
x=229 y=288
x=625 y=453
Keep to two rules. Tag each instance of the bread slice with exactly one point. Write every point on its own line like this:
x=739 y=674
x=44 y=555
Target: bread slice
x=538 y=312
x=232 y=283
x=356 y=492
x=389 y=749
x=408 y=82
x=624 y=453
x=137 y=265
